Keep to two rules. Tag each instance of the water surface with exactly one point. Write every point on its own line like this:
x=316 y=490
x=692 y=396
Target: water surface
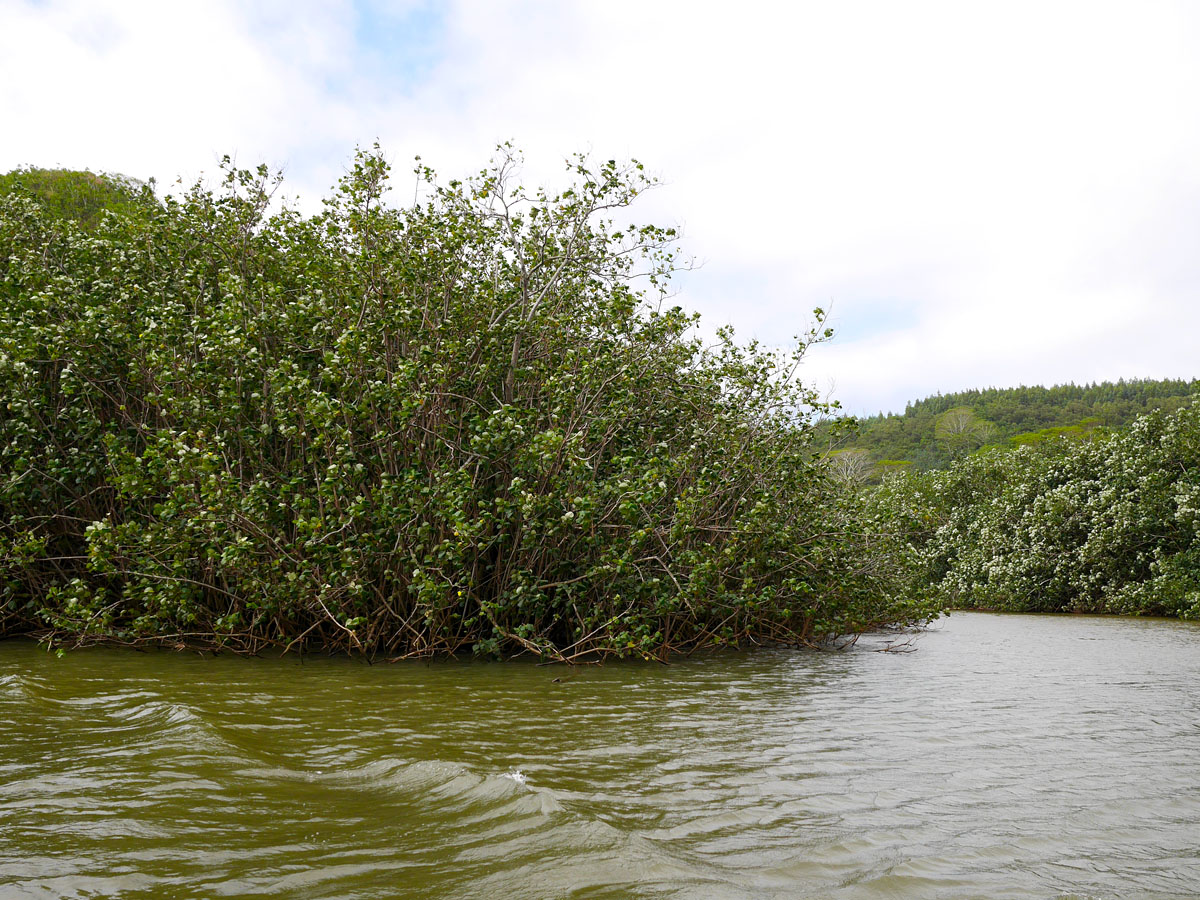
x=1009 y=756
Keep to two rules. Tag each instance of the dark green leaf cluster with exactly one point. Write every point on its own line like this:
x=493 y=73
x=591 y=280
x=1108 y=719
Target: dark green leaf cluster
x=457 y=425
x=1104 y=526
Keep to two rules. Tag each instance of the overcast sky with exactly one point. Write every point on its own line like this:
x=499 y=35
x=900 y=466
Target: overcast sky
x=985 y=194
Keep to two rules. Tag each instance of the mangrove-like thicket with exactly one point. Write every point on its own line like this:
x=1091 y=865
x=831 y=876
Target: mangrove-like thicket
x=469 y=423
x=1109 y=524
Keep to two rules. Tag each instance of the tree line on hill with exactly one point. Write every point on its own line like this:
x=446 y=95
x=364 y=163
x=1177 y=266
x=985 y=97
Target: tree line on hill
x=933 y=432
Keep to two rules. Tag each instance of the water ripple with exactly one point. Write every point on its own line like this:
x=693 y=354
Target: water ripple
x=1008 y=757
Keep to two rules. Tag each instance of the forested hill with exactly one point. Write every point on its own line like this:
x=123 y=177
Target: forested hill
x=83 y=197
x=933 y=431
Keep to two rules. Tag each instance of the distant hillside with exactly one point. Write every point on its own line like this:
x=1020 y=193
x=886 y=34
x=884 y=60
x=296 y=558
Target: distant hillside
x=69 y=194
x=934 y=431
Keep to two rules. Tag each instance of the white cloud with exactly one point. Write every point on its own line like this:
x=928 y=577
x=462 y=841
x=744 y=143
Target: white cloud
x=986 y=193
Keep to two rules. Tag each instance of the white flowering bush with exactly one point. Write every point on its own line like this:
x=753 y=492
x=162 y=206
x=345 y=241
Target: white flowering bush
x=1107 y=526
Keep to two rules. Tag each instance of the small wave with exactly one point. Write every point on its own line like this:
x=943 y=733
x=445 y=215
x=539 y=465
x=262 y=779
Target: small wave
x=448 y=786
x=163 y=714
x=163 y=723
x=12 y=687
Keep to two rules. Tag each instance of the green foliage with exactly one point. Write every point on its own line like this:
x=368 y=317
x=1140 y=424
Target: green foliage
x=82 y=197
x=1084 y=430
x=404 y=431
x=959 y=431
x=926 y=436
x=1110 y=525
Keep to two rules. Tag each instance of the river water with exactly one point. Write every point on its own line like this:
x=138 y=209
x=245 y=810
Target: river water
x=1006 y=756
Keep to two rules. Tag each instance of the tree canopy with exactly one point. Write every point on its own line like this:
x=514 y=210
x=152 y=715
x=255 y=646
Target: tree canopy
x=82 y=197
x=472 y=423
x=931 y=433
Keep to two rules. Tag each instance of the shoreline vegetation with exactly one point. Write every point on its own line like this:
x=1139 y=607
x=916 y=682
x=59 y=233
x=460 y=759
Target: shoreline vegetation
x=1109 y=524
x=473 y=424
x=476 y=424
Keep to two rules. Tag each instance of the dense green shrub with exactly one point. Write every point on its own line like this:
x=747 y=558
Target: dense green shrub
x=1110 y=525
x=403 y=431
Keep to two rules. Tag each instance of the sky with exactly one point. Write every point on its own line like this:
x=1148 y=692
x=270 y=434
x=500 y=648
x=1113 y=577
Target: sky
x=981 y=193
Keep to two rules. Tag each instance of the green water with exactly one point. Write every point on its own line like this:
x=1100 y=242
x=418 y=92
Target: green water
x=1007 y=757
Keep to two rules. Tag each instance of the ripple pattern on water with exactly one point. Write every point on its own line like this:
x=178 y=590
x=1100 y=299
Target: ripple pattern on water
x=1008 y=757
